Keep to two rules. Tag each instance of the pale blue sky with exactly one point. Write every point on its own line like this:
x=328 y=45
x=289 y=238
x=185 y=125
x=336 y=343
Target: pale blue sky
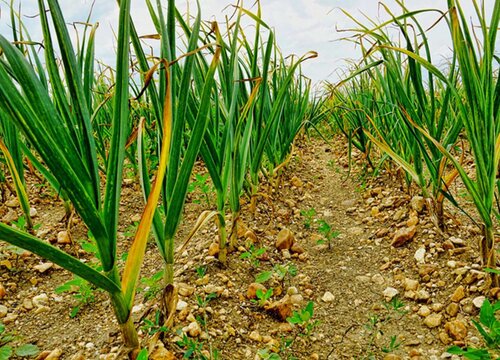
x=301 y=25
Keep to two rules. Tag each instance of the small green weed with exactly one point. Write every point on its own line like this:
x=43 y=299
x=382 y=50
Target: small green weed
x=328 y=233
x=201 y=182
x=7 y=351
x=394 y=344
x=280 y=271
x=153 y=327
x=151 y=286
x=194 y=349
x=83 y=292
x=262 y=297
x=308 y=217
x=253 y=255
x=201 y=271
x=303 y=318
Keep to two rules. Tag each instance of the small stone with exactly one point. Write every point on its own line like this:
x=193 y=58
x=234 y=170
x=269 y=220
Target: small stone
x=478 y=301
x=452 y=309
x=12 y=203
x=193 y=329
x=437 y=307
x=297 y=249
x=418 y=204
x=213 y=249
x=250 y=235
x=403 y=236
x=451 y=264
x=80 y=356
x=328 y=297
x=3 y=311
x=33 y=212
x=63 y=238
x=381 y=233
x=296 y=299
x=3 y=292
x=137 y=308
x=185 y=290
x=281 y=309
x=160 y=353
x=410 y=285
x=27 y=304
x=255 y=336
x=181 y=305
x=292 y=290
x=420 y=255
x=495 y=293
x=10 y=318
x=423 y=295
x=135 y=218
x=252 y=290
x=392 y=357
x=378 y=279
x=448 y=245
x=424 y=311
x=457 y=241
x=295 y=181
x=456 y=329
x=54 y=354
x=446 y=340
x=458 y=295
x=412 y=221
x=285 y=240
x=10 y=217
x=41 y=300
x=389 y=293
x=400 y=214
x=267 y=339
x=286 y=254
x=433 y=320
x=43 y=267
x=212 y=289
x=388 y=202
x=426 y=270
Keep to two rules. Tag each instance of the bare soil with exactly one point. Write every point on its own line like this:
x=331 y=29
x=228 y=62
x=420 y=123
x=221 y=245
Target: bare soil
x=355 y=316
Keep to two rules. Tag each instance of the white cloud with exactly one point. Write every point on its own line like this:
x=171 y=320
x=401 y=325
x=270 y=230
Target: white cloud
x=300 y=25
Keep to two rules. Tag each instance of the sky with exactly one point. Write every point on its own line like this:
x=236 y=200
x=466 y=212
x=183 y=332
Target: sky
x=300 y=25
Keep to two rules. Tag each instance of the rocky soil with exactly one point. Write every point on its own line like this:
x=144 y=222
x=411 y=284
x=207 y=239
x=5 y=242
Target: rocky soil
x=361 y=251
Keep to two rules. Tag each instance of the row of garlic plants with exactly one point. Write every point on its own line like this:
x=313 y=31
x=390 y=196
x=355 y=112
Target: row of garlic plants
x=426 y=118
x=209 y=95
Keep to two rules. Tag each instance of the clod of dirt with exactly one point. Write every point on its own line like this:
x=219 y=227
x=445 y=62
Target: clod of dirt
x=213 y=249
x=282 y=309
x=285 y=240
x=43 y=267
x=458 y=295
x=417 y=203
x=456 y=329
x=403 y=236
x=3 y=292
x=63 y=238
x=252 y=290
x=433 y=320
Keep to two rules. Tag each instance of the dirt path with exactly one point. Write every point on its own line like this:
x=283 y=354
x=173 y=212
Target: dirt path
x=353 y=283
